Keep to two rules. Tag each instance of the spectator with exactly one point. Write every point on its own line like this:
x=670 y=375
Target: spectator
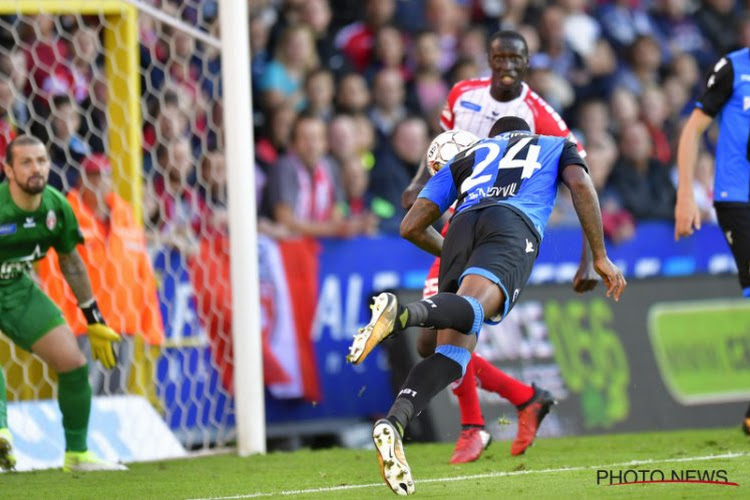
x=319 y=91
x=625 y=20
x=342 y=139
x=685 y=67
x=593 y=117
x=464 y=69
x=714 y=18
x=388 y=52
x=165 y=123
x=679 y=31
x=554 y=50
x=426 y=53
x=15 y=66
x=7 y=128
x=445 y=18
x=303 y=188
x=388 y=95
x=642 y=182
x=601 y=151
x=67 y=148
x=642 y=65
x=473 y=46
x=624 y=108
x=654 y=113
x=395 y=165
x=174 y=210
x=356 y=40
x=582 y=31
x=358 y=203
x=294 y=58
x=677 y=99
x=317 y=15
x=275 y=140
x=353 y=94
x=119 y=267
x=259 y=32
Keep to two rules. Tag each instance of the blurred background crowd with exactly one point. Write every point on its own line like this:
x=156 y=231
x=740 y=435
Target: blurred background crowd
x=353 y=91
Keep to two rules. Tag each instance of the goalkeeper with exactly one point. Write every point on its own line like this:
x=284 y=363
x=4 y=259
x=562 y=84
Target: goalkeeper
x=33 y=218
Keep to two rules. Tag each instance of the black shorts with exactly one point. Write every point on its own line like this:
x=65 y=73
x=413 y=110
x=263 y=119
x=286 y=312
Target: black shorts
x=495 y=242
x=734 y=220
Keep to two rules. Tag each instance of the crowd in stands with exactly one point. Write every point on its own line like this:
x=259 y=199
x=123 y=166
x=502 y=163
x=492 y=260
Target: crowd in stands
x=348 y=93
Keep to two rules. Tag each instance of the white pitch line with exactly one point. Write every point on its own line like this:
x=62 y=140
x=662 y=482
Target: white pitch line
x=481 y=476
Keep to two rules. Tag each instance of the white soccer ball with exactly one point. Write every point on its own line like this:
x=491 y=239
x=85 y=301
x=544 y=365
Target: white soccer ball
x=447 y=145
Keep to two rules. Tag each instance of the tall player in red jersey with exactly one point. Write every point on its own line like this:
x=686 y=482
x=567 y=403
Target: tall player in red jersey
x=474 y=105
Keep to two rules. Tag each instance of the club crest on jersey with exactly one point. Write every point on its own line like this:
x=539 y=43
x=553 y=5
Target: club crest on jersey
x=51 y=220
x=470 y=105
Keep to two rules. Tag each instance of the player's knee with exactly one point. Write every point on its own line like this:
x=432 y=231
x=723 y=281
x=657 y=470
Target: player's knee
x=72 y=361
x=426 y=342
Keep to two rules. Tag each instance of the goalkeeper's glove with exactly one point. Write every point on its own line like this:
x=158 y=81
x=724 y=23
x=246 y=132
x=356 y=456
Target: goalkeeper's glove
x=100 y=335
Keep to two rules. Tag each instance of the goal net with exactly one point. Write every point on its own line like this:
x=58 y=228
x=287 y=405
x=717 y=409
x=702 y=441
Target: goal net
x=131 y=90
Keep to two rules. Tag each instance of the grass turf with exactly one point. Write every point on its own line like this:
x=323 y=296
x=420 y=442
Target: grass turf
x=505 y=476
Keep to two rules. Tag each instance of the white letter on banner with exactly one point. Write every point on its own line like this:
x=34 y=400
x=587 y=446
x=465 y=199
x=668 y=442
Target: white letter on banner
x=328 y=310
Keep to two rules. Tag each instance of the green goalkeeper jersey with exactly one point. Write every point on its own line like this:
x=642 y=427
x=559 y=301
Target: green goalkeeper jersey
x=25 y=237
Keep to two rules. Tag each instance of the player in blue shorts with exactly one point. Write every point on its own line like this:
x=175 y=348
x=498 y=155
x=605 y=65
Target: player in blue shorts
x=504 y=188
x=727 y=97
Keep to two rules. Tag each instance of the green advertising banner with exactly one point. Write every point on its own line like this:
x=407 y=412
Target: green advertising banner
x=702 y=349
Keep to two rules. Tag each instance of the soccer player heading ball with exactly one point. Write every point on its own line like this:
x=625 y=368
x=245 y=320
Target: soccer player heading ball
x=506 y=187
x=33 y=218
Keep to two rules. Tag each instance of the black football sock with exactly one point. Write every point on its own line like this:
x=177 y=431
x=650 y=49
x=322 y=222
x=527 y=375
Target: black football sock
x=444 y=310
x=425 y=380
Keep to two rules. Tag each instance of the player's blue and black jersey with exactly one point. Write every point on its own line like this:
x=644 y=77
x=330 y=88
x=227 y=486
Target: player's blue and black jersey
x=727 y=97
x=517 y=169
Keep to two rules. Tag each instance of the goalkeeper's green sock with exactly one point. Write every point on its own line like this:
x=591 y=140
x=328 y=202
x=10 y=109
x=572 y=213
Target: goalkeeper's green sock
x=74 y=398
x=3 y=408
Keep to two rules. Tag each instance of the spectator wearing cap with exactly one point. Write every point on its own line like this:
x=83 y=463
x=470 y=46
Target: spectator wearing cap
x=114 y=252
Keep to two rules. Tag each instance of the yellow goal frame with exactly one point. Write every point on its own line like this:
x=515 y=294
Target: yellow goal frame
x=123 y=82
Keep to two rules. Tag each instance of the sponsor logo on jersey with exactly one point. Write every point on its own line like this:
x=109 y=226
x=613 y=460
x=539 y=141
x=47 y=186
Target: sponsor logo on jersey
x=7 y=229
x=470 y=105
x=29 y=223
x=51 y=220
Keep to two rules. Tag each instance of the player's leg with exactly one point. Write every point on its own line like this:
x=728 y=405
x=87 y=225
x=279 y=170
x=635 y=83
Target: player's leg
x=7 y=458
x=734 y=221
x=59 y=349
x=506 y=255
x=433 y=374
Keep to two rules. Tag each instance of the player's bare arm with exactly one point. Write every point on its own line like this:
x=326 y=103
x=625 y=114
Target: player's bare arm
x=409 y=196
x=417 y=226
x=75 y=273
x=585 y=278
x=686 y=214
x=586 y=204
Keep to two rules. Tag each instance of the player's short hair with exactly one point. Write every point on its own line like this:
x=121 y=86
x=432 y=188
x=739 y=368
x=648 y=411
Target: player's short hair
x=21 y=140
x=507 y=35
x=509 y=124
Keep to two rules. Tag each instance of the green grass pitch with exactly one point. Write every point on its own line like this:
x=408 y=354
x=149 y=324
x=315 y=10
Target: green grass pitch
x=552 y=468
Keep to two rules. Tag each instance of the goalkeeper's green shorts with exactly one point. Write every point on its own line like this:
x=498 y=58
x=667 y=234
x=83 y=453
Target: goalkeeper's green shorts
x=26 y=313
